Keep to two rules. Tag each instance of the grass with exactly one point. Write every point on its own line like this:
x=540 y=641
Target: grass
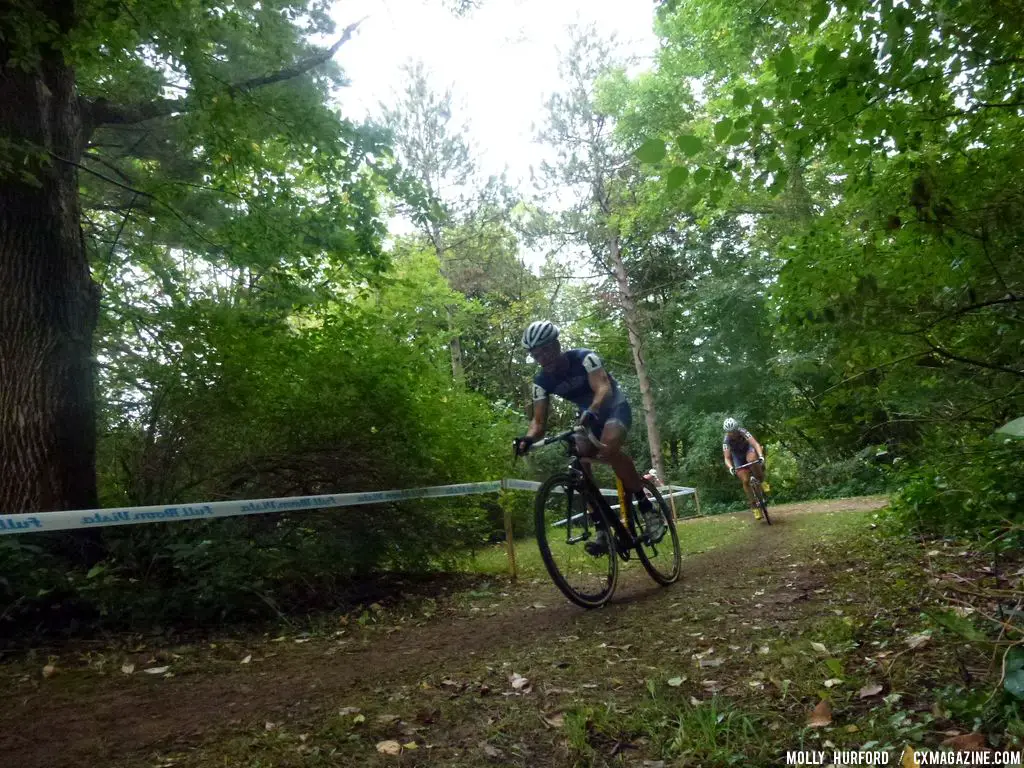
x=696 y=536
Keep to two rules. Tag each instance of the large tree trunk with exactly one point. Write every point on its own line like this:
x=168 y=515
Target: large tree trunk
x=48 y=302
x=636 y=344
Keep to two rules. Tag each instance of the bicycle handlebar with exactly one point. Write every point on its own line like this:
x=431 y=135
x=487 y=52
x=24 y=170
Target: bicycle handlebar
x=750 y=463
x=564 y=436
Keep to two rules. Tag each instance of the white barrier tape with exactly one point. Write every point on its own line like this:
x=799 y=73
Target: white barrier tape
x=101 y=518
x=520 y=485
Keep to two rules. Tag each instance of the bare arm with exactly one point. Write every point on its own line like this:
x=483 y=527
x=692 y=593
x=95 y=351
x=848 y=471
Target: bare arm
x=728 y=457
x=540 y=417
x=757 y=446
x=602 y=386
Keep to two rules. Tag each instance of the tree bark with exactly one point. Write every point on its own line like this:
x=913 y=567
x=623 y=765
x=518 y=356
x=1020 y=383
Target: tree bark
x=48 y=299
x=631 y=317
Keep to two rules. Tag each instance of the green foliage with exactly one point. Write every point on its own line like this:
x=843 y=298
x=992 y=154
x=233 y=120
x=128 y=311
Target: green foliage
x=972 y=486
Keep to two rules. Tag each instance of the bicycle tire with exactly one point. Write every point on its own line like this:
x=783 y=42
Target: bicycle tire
x=671 y=537
x=544 y=543
x=762 y=502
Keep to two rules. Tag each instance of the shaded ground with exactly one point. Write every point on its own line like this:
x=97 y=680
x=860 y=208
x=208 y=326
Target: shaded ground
x=440 y=680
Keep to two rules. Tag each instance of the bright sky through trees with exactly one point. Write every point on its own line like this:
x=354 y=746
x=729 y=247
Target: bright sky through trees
x=502 y=61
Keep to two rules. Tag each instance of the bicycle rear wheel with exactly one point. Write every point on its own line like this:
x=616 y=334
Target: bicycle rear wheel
x=565 y=517
x=661 y=559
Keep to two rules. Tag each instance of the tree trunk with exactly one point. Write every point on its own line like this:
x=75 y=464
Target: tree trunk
x=454 y=343
x=629 y=312
x=48 y=301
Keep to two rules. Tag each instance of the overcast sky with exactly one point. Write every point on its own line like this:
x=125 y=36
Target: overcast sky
x=501 y=61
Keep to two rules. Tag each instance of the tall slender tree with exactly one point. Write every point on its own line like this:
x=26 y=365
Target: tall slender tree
x=594 y=173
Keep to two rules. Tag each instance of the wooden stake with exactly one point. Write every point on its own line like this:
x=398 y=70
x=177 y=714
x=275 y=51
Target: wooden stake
x=510 y=543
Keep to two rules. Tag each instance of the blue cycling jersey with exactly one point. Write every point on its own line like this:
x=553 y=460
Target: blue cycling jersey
x=572 y=382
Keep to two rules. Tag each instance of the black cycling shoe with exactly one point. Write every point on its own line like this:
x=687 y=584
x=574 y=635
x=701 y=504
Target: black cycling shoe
x=599 y=546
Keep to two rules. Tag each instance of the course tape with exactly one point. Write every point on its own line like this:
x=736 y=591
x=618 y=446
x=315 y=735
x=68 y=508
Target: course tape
x=101 y=518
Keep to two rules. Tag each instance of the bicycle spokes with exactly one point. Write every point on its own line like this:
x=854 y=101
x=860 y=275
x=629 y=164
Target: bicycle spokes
x=581 y=562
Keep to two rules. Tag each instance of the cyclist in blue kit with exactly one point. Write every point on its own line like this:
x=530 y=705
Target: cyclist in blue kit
x=577 y=375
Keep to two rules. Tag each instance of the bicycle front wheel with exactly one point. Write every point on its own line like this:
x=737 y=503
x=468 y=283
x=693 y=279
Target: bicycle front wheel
x=661 y=559
x=762 y=502
x=566 y=519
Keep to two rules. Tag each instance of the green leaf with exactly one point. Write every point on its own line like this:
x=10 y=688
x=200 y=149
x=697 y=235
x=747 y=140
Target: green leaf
x=1014 y=429
x=689 y=144
x=835 y=666
x=722 y=129
x=740 y=98
x=677 y=177
x=785 y=62
x=818 y=14
x=95 y=571
x=651 y=151
x=701 y=176
x=1013 y=683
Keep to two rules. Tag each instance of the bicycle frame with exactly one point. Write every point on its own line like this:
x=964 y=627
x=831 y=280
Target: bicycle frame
x=577 y=467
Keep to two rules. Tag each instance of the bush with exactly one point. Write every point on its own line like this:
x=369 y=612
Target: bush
x=973 y=487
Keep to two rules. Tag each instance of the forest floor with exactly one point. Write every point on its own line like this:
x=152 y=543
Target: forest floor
x=731 y=665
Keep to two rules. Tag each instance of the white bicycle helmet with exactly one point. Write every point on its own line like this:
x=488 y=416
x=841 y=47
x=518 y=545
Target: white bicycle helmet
x=539 y=333
x=730 y=424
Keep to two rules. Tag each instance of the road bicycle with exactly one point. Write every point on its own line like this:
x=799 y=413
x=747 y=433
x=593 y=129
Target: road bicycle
x=569 y=511
x=758 y=490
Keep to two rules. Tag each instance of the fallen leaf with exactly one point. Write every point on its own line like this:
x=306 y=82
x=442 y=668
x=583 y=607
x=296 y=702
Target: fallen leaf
x=705 y=663
x=654 y=764
x=764 y=650
x=968 y=742
x=269 y=725
x=852 y=729
x=127 y=668
x=916 y=641
x=871 y=689
x=712 y=685
x=820 y=716
x=349 y=711
x=492 y=752
x=517 y=681
x=539 y=606
x=387 y=719
x=359 y=719
x=156 y=670
x=694 y=702
x=820 y=648
x=555 y=720
x=246 y=660
x=909 y=759
x=389 y=747
x=833 y=682
x=675 y=682
x=410 y=745
x=49 y=670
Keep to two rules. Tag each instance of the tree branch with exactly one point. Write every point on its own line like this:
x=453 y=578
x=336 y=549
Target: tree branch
x=140 y=193
x=968 y=361
x=102 y=112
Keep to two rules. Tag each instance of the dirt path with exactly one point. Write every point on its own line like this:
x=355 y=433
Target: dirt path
x=92 y=717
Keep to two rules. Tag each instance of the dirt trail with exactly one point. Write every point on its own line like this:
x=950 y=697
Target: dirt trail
x=111 y=719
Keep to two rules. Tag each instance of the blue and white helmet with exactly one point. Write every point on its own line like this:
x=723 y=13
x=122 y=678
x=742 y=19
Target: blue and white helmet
x=539 y=333
x=730 y=424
